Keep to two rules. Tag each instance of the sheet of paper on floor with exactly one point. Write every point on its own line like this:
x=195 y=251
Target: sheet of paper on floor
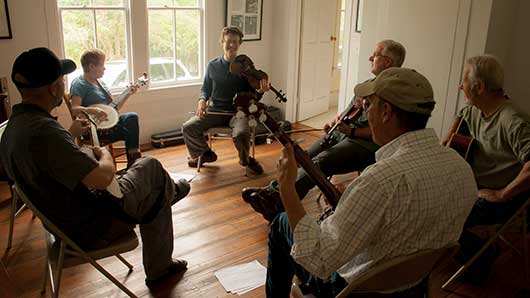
x=242 y=278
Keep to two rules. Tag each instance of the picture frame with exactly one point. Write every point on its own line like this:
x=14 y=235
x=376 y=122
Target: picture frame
x=5 y=24
x=359 y=18
x=247 y=16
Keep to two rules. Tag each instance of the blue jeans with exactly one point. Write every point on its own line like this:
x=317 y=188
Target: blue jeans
x=281 y=266
x=127 y=130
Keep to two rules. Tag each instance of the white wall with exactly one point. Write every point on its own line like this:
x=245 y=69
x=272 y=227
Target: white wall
x=437 y=36
x=159 y=110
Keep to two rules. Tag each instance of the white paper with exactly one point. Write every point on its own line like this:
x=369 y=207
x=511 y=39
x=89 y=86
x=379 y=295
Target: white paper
x=242 y=278
x=177 y=176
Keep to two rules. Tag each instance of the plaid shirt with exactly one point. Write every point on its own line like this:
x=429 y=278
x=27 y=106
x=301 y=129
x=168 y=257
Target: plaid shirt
x=416 y=196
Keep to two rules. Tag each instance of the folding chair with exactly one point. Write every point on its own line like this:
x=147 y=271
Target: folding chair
x=395 y=275
x=62 y=252
x=14 y=212
x=521 y=212
x=225 y=133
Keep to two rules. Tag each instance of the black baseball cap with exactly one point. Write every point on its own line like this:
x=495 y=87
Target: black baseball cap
x=39 y=67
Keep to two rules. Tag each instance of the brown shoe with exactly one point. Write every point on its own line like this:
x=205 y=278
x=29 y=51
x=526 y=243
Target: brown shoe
x=208 y=156
x=265 y=200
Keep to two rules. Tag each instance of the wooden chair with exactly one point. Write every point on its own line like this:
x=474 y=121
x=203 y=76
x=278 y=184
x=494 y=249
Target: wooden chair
x=395 y=275
x=521 y=215
x=62 y=252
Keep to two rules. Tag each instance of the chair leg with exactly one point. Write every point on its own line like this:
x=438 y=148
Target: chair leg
x=124 y=261
x=199 y=162
x=59 y=269
x=12 y=219
x=46 y=272
x=525 y=246
x=110 y=277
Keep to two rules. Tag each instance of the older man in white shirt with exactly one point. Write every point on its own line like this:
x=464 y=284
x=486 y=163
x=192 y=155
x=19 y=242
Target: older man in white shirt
x=416 y=196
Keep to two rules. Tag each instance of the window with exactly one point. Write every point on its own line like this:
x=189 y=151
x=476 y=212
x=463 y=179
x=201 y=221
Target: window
x=173 y=50
x=174 y=33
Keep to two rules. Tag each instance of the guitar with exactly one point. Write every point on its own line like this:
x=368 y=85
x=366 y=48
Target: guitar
x=246 y=102
x=459 y=142
x=110 y=109
x=114 y=187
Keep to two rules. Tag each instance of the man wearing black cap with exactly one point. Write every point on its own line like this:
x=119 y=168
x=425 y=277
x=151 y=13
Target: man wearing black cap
x=68 y=185
x=398 y=206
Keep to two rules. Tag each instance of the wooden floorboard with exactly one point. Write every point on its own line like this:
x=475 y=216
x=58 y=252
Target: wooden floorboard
x=213 y=228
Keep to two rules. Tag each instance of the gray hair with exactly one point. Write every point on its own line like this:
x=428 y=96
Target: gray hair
x=486 y=69
x=394 y=50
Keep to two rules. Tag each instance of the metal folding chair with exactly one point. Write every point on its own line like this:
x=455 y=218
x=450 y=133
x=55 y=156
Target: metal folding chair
x=62 y=252
x=521 y=212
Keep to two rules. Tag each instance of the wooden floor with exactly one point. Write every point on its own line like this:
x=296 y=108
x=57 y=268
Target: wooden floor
x=213 y=228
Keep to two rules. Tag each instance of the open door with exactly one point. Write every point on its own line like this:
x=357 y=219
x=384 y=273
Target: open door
x=316 y=57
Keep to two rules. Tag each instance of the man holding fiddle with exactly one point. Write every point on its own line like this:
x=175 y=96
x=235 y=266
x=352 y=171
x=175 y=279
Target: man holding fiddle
x=217 y=93
x=348 y=149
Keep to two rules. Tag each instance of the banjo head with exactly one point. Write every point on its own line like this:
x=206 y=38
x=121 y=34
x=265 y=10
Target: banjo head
x=112 y=117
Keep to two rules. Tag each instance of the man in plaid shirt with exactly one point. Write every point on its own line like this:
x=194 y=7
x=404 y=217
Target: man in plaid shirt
x=416 y=196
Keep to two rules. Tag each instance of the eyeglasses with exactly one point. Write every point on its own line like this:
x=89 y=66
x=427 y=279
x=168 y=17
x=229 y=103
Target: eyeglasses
x=365 y=104
x=378 y=55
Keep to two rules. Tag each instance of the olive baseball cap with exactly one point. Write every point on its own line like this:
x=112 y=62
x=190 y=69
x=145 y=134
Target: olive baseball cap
x=405 y=88
x=39 y=67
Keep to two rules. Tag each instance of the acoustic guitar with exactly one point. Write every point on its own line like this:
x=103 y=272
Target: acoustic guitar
x=110 y=109
x=461 y=143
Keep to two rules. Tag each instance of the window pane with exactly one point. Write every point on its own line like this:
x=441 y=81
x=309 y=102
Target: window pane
x=78 y=35
x=187 y=3
x=159 y=2
x=110 y=26
x=72 y=2
x=188 y=24
x=107 y=2
x=178 y=3
x=161 y=45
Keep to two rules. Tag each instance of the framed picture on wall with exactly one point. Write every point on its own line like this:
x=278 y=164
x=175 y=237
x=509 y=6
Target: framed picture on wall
x=246 y=15
x=5 y=26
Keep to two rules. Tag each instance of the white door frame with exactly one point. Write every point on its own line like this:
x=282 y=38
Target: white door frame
x=293 y=50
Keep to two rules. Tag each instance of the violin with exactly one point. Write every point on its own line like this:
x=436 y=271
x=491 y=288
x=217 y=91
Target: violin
x=247 y=102
x=244 y=67
x=351 y=114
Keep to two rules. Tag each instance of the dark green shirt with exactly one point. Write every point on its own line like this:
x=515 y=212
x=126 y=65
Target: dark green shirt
x=503 y=144
x=41 y=156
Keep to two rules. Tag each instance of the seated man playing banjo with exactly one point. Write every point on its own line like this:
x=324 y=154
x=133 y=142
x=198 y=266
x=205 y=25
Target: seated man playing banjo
x=88 y=90
x=68 y=184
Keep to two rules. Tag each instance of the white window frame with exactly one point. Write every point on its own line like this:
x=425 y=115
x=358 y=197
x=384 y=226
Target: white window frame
x=136 y=38
x=200 y=9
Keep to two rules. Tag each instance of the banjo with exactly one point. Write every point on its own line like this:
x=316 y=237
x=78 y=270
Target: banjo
x=110 y=109
x=114 y=187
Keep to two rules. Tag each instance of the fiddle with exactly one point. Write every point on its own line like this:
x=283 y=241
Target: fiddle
x=243 y=66
x=247 y=103
x=349 y=115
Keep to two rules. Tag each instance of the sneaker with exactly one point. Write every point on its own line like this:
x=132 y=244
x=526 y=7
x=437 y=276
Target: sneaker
x=176 y=266
x=208 y=156
x=254 y=166
x=182 y=189
x=265 y=200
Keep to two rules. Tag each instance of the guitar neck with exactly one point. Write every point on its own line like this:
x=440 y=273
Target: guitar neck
x=94 y=133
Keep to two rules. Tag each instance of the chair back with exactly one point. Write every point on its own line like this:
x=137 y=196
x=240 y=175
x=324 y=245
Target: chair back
x=397 y=274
